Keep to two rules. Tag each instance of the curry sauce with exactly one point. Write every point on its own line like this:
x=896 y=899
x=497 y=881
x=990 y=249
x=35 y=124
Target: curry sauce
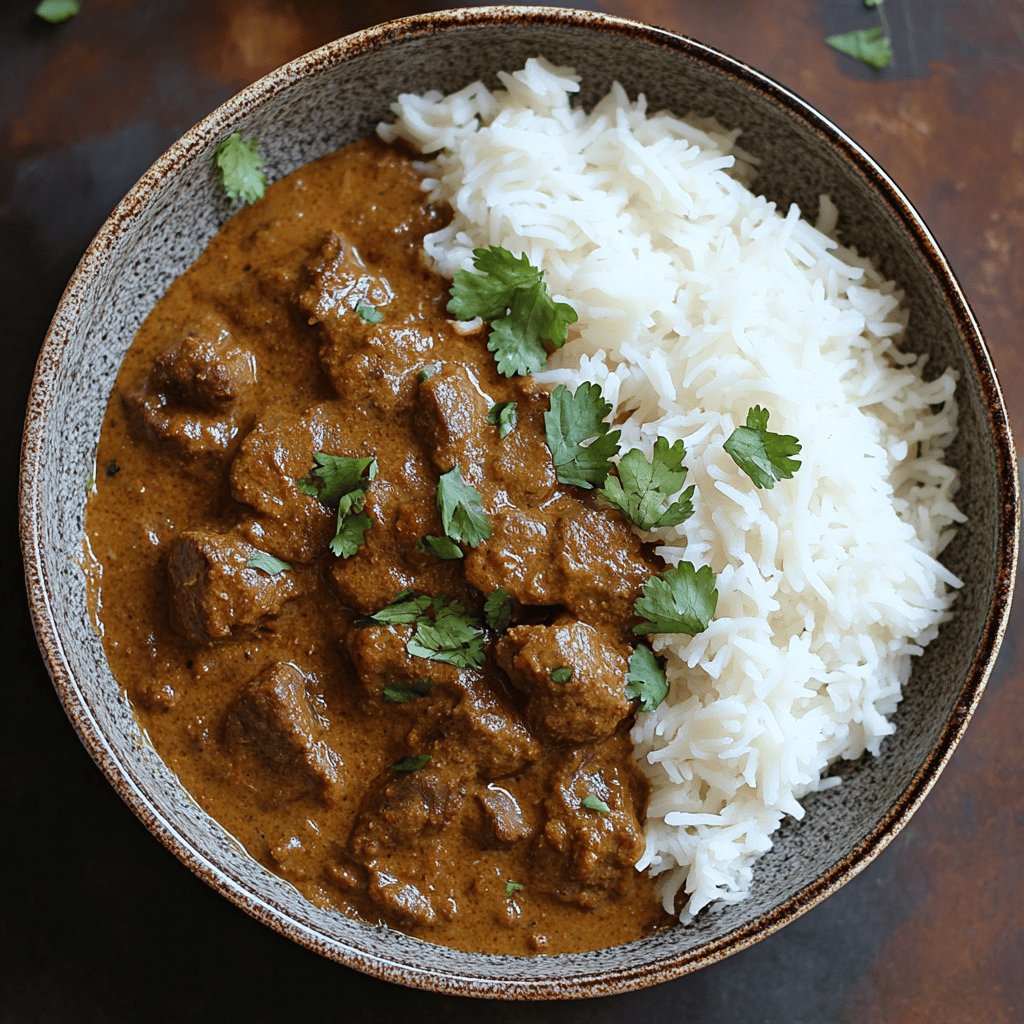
x=492 y=807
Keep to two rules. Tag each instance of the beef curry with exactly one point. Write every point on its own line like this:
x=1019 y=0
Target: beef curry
x=488 y=803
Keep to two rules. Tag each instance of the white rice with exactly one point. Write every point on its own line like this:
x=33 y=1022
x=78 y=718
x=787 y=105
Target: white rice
x=698 y=299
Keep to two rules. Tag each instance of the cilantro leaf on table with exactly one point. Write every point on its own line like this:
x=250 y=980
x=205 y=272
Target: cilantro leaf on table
x=503 y=416
x=411 y=764
x=442 y=547
x=267 y=563
x=498 y=609
x=646 y=678
x=642 y=489
x=452 y=636
x=241 y=168
x=406 y=608
x=56 y=11
x=574 y=418
x=341 y=479
x=681 y=600
x=462 y=514
x=764 y=456
x=511 y=294
x=409 y=692
x=594 y=803
x=870 y=46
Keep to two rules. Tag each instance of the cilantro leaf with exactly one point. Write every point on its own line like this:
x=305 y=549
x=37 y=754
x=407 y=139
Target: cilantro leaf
x=762 y=455
x=562 y=674
x=646 y=678
x=371 y=314
x=642 y=488
x=241 y=168
x=462 y=514
x=681 y=600
x=268 y=563
x=503 y=416
x=511 y=887
x=411 y=764
x=56 y=11
x=406 y=608
x=429 y=370
x=594 y=803
x=870 y=46
x=452 y=637
x=353 y=523
x=873 y=3
x=442 y=547
x=404 y=694
x=498 y=609
x=334 y=476
x=512 y=295
x=573 y=418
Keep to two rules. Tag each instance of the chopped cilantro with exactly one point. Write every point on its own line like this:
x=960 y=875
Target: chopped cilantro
x=113 y=468
x=503 y=416
x=562 y=674
x=338 y=478
x=90 y=482
x=462 y=514
x=452 y=636
x=404 y=694
x=428 y=371
x=594 y=803
x=511 y=294
x=513 y=887
x=681 y=600
x=873 y=3
x=268 y=563
x=762 y=455
x=498 y=609
x=406 y=608
x=870 y=46
x=411 y=764
x=576 y=417
x=241 y=168
x=646 y=678
x=442 y=547
x=642 y=489
x=353 y=523
x=371 y=314
x=56 y=11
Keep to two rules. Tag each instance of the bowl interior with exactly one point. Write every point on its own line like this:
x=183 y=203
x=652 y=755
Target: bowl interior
x=321 y=102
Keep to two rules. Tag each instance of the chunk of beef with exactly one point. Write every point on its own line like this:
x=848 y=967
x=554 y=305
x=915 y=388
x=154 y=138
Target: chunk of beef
x=585 y=855
x=591 y=703
x=194 y=399
x=213 y=590
x=514 y=470
x=572 y=553
x=502 y=821
x=273 y=457
x=274 y=722
x=396 y=834
x=380 y=659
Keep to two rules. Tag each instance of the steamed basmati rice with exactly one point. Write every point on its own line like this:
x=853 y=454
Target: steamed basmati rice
x=697 y=299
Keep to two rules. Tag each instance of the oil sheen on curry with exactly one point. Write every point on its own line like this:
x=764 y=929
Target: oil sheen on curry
x=488 y=803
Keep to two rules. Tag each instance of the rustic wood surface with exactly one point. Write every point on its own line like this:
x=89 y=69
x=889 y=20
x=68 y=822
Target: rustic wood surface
x=101 y=924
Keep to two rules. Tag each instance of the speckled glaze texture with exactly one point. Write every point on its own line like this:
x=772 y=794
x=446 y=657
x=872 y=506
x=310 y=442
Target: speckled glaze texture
x=338 y=94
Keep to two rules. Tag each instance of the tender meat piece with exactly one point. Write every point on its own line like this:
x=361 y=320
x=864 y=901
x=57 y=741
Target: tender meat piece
x=339 y=281
x=502 y=820
x=194 y=399
x=274 y=722
x=571 y=553
x=380 y=659
x=213 y=591
x=516 y=469
x=592 y=702
x=276 y=453
x=396 y=835
x=585 y=855
x=205 y=374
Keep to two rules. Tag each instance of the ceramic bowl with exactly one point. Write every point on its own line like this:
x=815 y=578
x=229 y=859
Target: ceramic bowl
x=333 y=96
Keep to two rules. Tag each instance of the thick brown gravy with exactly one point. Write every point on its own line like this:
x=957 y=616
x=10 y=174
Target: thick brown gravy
x=265 y=693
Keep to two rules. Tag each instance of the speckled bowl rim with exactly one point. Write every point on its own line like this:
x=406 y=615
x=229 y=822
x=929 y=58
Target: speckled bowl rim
x=224 y=120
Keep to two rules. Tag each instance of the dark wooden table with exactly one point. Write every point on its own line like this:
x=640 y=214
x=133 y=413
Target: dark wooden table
x=99 y=923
